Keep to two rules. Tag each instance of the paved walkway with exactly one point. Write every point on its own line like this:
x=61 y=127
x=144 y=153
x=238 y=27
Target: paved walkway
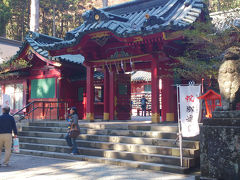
x=41 y=168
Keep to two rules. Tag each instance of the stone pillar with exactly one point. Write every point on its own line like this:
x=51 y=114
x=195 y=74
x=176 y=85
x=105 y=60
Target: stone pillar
x=155 y=91
x=106 y=94
x=169 y=96
x=220 y=146
x=112 y=95
x=90 y=94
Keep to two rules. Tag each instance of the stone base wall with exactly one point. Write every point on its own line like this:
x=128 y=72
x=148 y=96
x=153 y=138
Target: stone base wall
x=220 y=147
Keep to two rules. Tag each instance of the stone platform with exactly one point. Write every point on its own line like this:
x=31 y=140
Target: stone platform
x=220 y=146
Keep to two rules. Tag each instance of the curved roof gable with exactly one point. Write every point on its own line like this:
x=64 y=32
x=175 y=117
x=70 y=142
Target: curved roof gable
x=36 y=41
x=139 y=17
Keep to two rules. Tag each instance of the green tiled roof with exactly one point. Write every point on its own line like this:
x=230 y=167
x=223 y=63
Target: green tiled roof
x=36 y=41
x=124 y=20
x=79 y=59
x=128 y=19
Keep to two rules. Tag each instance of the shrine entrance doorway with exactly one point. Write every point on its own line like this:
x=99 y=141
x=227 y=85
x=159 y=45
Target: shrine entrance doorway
x=141 y=86
x=117 y=87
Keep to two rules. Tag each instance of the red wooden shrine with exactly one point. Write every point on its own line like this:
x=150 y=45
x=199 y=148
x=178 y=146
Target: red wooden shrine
x=212 y=100
x=138 y=35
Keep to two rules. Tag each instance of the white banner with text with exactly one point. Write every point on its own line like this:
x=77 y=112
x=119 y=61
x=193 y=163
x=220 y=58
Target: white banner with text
x=189 y=110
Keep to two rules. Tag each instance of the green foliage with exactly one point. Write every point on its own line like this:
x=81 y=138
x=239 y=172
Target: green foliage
x=223 y=5
x=203 y=53
x=14 y=65
x=5 y=14
x=68 y=15
x=18 y=24
x=14 y=16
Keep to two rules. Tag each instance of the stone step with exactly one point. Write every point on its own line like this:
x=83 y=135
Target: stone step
x=144 y=157
x=150 y=149
x=131 y=133
x=140 y=140
x=115 y=139
x=112 y=127
x=111 y=161
x=63 y=124
x=45 y=129
x=99 y=126
x=41 y=134
x=165 y=128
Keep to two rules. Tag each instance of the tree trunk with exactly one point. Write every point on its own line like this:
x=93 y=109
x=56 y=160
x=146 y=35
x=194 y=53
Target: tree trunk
x=105 y=3
x=34 y=19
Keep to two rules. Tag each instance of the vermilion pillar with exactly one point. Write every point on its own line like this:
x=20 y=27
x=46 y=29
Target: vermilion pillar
x=155 y=91
x=90 y=94
x=112 y=96
x=106 y=94
x=169 y=99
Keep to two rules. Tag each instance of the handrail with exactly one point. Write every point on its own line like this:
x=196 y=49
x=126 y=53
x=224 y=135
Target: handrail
x=24 y=108
x=28 y=113
x=32 y=111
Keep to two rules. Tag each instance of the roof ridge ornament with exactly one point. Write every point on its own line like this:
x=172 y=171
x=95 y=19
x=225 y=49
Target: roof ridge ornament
x=152 y=20
x=100 y=15
x=33 y=35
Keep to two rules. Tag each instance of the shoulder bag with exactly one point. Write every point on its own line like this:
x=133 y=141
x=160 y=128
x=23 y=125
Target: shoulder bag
x=74 y=131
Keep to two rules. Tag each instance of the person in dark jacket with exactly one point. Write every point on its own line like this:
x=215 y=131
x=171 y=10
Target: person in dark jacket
x=73 y=120
x=143 y=105
x=7 y=126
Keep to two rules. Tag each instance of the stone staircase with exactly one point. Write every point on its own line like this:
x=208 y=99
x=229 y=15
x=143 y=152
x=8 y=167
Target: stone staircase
x=137 y=145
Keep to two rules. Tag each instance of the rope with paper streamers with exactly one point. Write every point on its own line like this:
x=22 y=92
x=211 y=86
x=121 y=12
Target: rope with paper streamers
x=107 y=67
x=116 y=68
x=131 y=64
x=122 y=66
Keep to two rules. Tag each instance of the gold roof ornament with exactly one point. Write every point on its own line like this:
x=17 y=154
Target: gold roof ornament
x=90 y=6
x=97 y=17
x=147 y=16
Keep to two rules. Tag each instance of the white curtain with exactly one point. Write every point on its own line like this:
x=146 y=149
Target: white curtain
x=19 y=96
x=9 y=90
x=15 y=91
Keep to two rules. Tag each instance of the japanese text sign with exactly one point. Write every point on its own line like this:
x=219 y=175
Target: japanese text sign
x=189 y=110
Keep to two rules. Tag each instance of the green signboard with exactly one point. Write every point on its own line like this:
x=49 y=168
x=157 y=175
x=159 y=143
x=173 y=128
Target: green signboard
x=43 y=88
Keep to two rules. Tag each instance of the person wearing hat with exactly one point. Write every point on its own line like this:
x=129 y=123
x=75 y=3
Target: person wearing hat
x=7 y=126
x=73 y=121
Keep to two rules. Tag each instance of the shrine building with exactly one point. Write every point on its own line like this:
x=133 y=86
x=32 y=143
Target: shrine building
x=90 y=68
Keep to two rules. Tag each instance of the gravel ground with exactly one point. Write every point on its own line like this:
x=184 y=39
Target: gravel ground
x=33 y=167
